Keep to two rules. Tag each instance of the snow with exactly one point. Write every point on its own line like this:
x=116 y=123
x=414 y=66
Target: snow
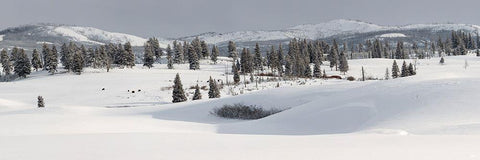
x=392 y=35
x=326 y=29
x=1 y=37
x=97 y=36
x=432 y=115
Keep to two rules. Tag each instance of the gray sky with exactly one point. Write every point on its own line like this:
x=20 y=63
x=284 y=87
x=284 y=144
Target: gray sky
x=173 y=18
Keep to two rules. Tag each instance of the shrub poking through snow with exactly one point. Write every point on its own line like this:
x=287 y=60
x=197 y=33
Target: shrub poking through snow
x=242 y=111
x=40 y=104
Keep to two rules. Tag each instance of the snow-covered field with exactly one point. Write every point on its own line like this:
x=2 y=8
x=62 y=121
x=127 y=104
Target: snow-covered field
x=433 y=115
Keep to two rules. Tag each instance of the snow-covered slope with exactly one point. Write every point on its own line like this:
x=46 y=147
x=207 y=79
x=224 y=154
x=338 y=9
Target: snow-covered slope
x=337 y=28
x=432 y=115
x=93 y=35
x=57 y=34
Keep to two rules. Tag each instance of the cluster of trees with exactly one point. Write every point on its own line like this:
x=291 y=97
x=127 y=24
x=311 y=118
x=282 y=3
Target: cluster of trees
x=457 y=44
x=407 y=70
x=72 y=57
x=178 y=94
x=181 y=53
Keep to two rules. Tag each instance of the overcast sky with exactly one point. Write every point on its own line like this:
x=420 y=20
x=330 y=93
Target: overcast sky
x=173 y=18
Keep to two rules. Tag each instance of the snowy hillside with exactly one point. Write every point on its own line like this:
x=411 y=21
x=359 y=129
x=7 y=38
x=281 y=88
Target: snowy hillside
x=338 y=28
x=432 y=115
x=31 y=36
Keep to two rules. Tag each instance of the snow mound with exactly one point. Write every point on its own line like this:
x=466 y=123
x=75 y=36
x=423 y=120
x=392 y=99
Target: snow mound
x=96 y=36
x=392 y=35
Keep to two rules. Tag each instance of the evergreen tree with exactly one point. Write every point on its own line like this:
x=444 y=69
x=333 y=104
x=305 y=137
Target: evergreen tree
x=5 y=60
x=205 y=51
x=280 y=60
x=411 y=70
x=179 y=52
x=178 y=93
x=232 y=50
x=22 y=66
x=45 y=53
x=405 y=72
x=197 y=95
x=236 y=76
x=130 y=56
x=333 y=56
x=40 y=102
x=215 y=53
x=148 y=56
x=89 y=59
x=78 y=62
x=52 y=60
x=169 y=57
x=317 y=72
x=193 y=58
x=213 y=91
x=308 y=71
x=155 y=48
x=400 y=53
x=246 y=61
x=257 y=60
x=343 y=63
x=395 y=70
x=36 y=61
x=65 y=58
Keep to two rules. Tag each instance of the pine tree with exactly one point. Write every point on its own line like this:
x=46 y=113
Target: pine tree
x=40 y=102
x=205 y=51
x=179 y=52
x=78 y=62
x=405 y=72
x=280 y=60
x=52 y=60
x=400 y=53
x=45 y=53
x=36 y=61
x=317 y=72
x=411 y=70
x=246 y=61
x=65 y=58
x=169 y=57
x=215 y=53
x=395 y=70
x=257 y=60
x=333 y=56
x=232 y=50
x=5 y=60
x=89 y=59
x=387 y=74
x=197 y=95
x=22 y=66
x=178 y=93
x=343 y=63
x=130 y=56
x=193 y=58
x=213 y=91
x=308 y=71
x=148 y=56
x=236 y=76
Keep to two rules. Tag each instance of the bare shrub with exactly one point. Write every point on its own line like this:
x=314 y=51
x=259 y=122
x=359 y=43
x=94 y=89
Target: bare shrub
x=242 y=111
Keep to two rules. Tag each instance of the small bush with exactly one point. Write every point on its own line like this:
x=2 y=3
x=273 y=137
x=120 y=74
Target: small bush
x=351 y=78
x=242 y=111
